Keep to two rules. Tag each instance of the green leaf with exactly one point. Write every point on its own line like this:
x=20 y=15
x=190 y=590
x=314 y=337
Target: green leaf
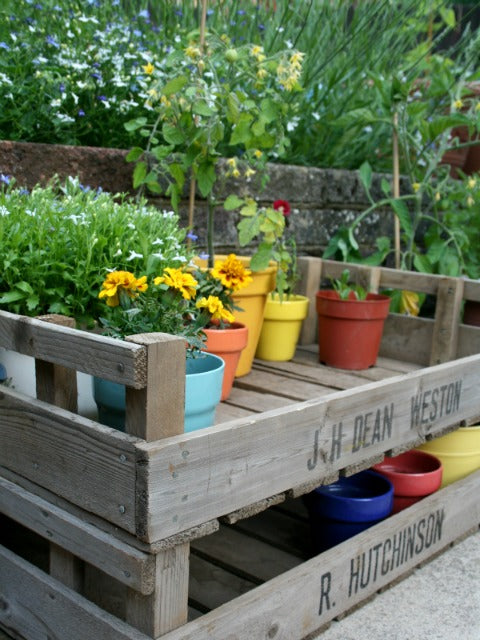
x=134 y=154
x=172 y=134
x=241 y=132
x=233 y=111
x=133 y=125
x=33 y=302
x=139 y=174
x=386 y=187
x=206 y=177
x=24 y=286
x=174 y=86
x=201 y=108
x=403 y=215
x=153 y=186
x=261 y=257
x=177 y=173
x=422 y=264
x=11 y=296
x=232 y=202
x=248 y=228
x=269 y=110
x=365 y=173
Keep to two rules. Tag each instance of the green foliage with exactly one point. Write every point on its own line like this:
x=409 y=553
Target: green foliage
x=58 y=243
x=346 y=290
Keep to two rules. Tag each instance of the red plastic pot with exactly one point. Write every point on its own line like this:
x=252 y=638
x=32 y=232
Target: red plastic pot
x=414 y=475
x=350 y=331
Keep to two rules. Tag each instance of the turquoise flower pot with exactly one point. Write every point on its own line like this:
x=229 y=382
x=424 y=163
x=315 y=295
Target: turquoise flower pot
x=203 y=389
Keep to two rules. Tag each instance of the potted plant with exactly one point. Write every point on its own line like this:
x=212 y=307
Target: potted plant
x=57 y=243
x=216 y=112
x=225 y=335
x=350 y=324
x=284 y=310
x=165 y=305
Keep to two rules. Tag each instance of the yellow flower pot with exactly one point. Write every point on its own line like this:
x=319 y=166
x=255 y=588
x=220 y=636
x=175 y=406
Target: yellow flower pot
x=281 y=327
x=459 y=452
x=251 y=301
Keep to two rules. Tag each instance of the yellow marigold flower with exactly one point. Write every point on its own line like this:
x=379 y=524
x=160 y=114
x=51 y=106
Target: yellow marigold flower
x=118 y=281
x=257 y=153
x=231 y=273
x=236 y=173
x=470 y=201
x=232 y=162
x=437 y=196
x=192 y=52
x=416 y=186
x=148 y=68
x=257 y=52
x=215 y=308
x=458 y=104
x=165 y=101
x=249 y=172
x=179 y=280
x=471 y=183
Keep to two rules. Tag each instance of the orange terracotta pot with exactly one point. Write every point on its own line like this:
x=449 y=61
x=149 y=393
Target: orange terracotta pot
x=228 y=344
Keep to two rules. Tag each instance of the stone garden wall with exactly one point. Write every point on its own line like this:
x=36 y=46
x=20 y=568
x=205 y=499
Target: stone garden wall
x=321 y=199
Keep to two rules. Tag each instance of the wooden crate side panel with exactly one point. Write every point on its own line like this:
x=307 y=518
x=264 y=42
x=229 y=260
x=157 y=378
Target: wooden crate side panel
x=90 y=465
x=115 y=360
x=409 y=337
x=302 y=600
x=196 y=477
x=40 y=608
x=117 y=559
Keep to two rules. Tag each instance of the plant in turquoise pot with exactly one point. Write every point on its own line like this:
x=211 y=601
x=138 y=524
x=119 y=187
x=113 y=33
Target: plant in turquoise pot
x=166 y=304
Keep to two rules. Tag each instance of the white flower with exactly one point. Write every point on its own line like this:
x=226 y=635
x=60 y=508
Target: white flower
x=4 y=211
x=134 y=255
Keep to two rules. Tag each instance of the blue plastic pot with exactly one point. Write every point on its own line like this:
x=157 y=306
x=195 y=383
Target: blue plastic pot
x=344 y=508
x=203 y=389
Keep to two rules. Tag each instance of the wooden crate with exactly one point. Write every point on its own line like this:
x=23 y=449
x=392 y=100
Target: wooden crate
x=129 y=529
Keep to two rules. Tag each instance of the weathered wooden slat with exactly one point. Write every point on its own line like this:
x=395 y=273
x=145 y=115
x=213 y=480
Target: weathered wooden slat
x=39 y=607
x=114 y=360
x=200 y=476
x=327 y=585
x=157 y=410
x=244 y=555
x=119 y=560
x=88 y=464
x=295 y=390
x=167 y=607
x=447 y=320
x=310 y=270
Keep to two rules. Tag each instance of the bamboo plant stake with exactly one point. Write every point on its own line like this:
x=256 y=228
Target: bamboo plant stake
x=396 y=187
x=191 y=197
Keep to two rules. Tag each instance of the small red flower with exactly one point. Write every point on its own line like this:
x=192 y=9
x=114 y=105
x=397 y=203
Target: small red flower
x=283 y=206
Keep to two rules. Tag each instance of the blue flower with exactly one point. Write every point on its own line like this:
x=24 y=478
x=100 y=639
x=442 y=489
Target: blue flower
x=5 y=179
x=192 y=236
x=51 y=40
x=144 y=14
x=203 y=256
x=23 y=191
x=241 y=12
x=97 y=76
x=4 y=45
x=178 y=12
x=102 y=98
x=61 y=87
x=81 y=113
x=137 y=33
